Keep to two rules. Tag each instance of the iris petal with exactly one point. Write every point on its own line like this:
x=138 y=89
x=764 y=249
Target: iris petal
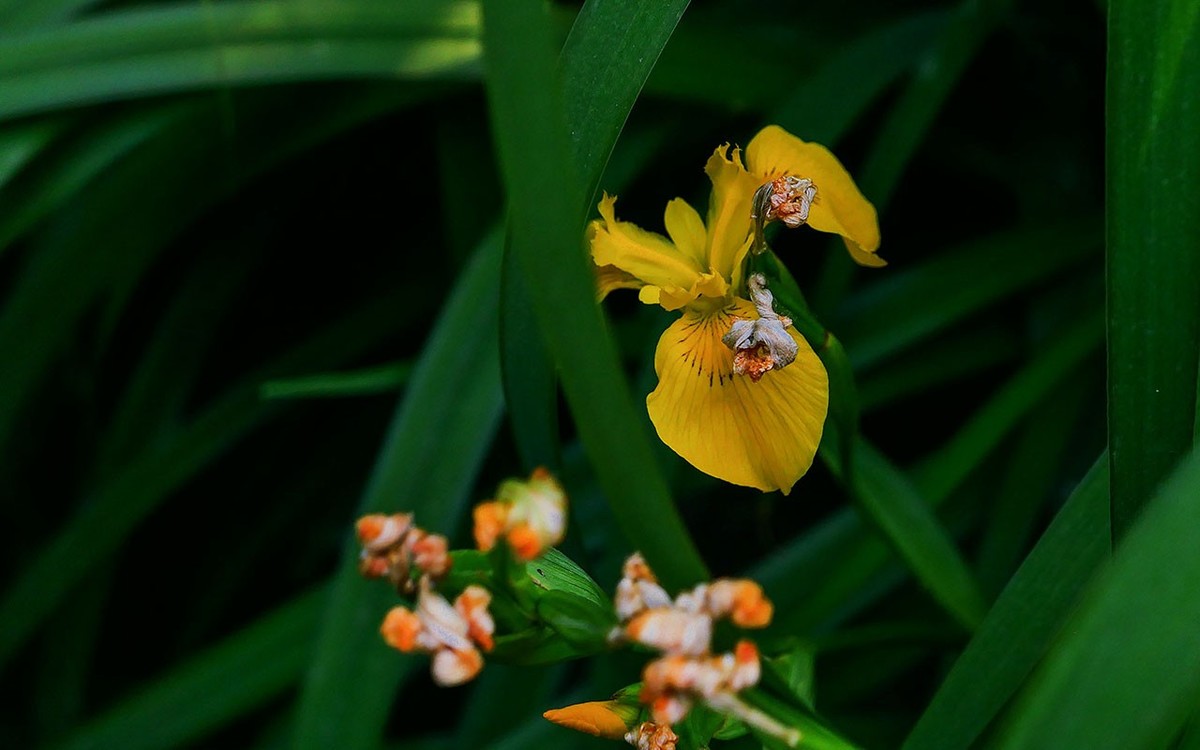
x=729 y=209
x=686 y=230
x=669 y=276
x=840 y=207
x=610 y=278
x=762 y=434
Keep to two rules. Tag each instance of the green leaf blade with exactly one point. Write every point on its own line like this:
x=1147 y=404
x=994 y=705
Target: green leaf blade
x=1153 y=269
x=545 y=213
x=1126 y=672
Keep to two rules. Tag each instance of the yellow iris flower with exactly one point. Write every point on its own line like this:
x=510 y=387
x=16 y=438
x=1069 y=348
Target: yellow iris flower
x=754 y=417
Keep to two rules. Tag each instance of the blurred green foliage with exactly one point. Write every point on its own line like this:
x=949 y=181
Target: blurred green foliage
x=265 y=264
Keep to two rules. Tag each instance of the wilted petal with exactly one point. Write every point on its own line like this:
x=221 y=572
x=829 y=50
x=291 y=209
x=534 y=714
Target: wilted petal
x=672 y=630
x=441 y=620
x=651 y=736
x=451 y=667
x=472 y=604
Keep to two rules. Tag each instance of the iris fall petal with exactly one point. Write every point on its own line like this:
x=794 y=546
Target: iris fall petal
x=840 y=207
x=757 y=434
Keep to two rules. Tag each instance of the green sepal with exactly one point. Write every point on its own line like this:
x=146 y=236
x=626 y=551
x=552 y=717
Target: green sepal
x=629 y=695
x=554 y=571
x=814 y=733
x=793 y=671
x=699 y=727
x=467 y=567
x=731 y=729
x=579 y=621
x=533 y=646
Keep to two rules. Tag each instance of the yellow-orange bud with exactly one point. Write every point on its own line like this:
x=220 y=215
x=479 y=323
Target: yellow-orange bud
x=608 y=719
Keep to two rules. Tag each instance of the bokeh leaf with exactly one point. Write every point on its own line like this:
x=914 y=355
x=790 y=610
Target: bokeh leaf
x=1126 y=670
x=352 y=677
x=1024 y=620
x=157 y=50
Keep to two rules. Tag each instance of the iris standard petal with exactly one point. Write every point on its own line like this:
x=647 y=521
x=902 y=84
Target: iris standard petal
x=758 y=434
x=729 y=213
x=671 y=277
x=840 y=207
x=686 y=230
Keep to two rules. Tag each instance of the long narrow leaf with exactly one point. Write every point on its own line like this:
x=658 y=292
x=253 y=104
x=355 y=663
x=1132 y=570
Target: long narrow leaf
x=1126 y=671
x=213 y=687
x=1029 y=481
x=607 y=57
x=20 y=14
x=20 y=143
x=942 y=472
x=600 y=89
x=1019 y=628
x=545 y=201
x=150 y=51
x=107 y=517
x=908 y=522
x=368 y=380
x=824 y=105
x=1153 y=191
x=822 y=575
x=352 y=677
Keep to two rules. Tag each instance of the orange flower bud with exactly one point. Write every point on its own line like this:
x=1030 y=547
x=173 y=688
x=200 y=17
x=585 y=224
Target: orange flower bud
x=750 y=608
x=431 y=555
x=671 y=708
x=490 y=518
x=376 y=531
x=472 y=604
x=524 y=542
x=531 y=515
x=608 y=719
x=400 y=629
